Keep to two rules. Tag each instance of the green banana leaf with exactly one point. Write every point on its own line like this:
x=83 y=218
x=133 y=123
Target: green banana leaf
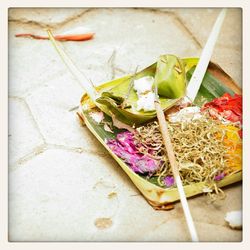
x=111 y=100
x=215 y=83
x=170 y=77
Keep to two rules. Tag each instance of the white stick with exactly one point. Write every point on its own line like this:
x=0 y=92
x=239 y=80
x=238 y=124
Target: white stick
x=201 y=68
x=186 y=210
x=171 y=156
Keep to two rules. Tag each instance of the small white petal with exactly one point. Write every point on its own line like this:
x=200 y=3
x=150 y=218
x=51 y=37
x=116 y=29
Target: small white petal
x=143 y=84
x=234 y=218
x=207 y=190
x=146 y=102
x=97 y=116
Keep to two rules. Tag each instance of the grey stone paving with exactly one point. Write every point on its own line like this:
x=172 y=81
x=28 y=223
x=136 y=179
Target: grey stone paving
x=62 y=183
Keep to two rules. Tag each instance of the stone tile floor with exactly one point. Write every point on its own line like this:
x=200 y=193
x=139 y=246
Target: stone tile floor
x=63 y=186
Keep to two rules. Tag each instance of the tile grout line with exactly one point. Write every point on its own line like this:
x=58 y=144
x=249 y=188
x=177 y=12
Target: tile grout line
x=186 y=29
x=111 y=64
x=21 y=99
x=16 y=97
x=47 y=146
x=36 y=151
x=28 y=22
x=154 y=10
x=73 y=18
x=178 y=20
x=54 y=26
x=31 y=89
x=34 y=120
x=76 y=149
x=196 y=40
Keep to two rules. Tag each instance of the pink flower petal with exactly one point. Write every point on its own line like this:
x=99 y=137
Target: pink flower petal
x=169 y=181
x=219 y=177
x=124 y=147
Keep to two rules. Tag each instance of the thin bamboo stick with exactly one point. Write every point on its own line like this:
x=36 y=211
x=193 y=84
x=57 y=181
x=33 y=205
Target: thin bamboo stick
x=174 y=165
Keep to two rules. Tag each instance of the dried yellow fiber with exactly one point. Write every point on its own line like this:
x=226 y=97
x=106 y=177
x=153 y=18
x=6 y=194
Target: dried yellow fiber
x=203 y=149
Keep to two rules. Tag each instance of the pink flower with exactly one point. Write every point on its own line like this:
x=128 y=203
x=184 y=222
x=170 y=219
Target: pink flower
x=127 y=141
x=219 y=177
x=146 y=164
x=124 y=147
x=169 y=181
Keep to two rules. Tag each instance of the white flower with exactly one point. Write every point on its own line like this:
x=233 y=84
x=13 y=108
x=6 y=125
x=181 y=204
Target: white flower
x=143 y=85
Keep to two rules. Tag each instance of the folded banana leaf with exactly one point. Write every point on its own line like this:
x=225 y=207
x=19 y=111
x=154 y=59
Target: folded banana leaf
x=120 y=100
x=215 y=83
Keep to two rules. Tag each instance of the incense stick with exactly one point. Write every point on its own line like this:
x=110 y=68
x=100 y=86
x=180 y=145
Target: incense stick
x=174 y=166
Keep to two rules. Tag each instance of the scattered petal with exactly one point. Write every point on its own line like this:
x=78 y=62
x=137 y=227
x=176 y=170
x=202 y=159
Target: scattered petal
x=107 y=128
x=169 y=181
x=234 y=218
x=121 y=125
x=97 y=116
x=207 y=190
x=219 y=177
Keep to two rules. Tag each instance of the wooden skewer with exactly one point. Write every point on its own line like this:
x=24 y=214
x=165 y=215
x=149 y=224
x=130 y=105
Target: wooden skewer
x=174 y=165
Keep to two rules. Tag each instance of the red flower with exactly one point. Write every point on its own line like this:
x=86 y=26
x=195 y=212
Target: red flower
x=227 y=106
